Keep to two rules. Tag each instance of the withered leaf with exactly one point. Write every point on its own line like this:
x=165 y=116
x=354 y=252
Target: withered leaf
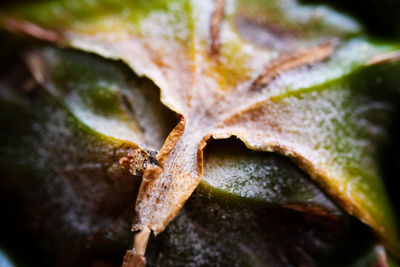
x=56 y=162
x=250 y=69
x=248 y=202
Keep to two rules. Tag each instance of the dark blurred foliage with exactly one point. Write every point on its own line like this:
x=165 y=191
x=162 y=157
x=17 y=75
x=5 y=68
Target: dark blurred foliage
x=381 y=18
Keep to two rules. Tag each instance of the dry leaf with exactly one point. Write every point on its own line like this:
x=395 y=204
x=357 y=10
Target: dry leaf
x=253 y=70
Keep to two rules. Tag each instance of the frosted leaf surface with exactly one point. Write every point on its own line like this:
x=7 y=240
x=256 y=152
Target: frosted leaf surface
x=68 y=181
x=276 y=94
x=262 y=177
x=103 y=96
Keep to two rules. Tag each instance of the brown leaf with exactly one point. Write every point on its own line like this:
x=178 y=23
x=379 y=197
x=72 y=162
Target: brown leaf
x=273 y=100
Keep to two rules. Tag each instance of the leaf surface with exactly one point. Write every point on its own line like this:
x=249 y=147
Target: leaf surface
x=236 y=68
x=242 y=190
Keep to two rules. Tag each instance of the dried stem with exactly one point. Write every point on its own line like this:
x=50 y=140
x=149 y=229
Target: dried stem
x=135 y=257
